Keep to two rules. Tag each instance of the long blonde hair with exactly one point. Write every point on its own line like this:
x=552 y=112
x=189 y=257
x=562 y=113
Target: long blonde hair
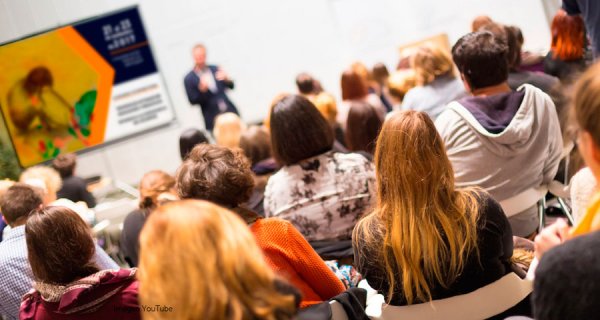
x=43 y=177
x=203 y=261
x=228 y=130
x=428 y=228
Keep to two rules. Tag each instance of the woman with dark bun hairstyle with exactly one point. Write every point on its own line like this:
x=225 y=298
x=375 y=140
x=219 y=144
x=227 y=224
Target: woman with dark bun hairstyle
x=155 y=188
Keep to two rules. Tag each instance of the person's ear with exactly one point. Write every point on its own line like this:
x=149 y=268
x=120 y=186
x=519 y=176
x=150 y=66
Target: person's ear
x=4 y=219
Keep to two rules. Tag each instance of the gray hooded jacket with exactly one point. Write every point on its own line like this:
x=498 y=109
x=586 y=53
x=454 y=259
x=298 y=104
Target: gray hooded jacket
x=523 y=156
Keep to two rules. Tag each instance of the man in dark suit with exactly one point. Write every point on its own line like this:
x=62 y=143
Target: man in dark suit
x=205 y=86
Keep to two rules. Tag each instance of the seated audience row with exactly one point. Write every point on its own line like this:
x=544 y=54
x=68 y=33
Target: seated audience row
x=16 y=275
x=420 y=195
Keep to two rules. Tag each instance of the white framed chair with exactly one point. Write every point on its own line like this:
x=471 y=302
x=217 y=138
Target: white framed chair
x=482 y=303
x=526 y=200
x=530 y=197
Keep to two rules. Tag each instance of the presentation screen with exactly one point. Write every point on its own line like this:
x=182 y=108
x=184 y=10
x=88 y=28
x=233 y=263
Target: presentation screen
x=79 y=86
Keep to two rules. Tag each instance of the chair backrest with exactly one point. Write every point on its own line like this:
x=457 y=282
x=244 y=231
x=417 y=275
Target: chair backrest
x=482 y=303
x=523 y=200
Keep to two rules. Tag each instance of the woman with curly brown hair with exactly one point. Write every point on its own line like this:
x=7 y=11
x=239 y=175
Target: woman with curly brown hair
x=223 y=176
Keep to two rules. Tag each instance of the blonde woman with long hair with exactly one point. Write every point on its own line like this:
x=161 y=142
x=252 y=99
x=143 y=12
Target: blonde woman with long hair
x=437 y=83
x=216 y=272
x=424 y=239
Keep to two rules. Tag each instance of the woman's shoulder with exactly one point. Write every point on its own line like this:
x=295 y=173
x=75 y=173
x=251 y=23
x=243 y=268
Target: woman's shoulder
x=271 y=223
x=275 y=233
x=488 y=208
x=269 y=227
x=350 y=159
x=135 y=217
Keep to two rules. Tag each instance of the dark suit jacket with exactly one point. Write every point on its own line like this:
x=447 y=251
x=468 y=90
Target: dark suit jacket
x=208 y=101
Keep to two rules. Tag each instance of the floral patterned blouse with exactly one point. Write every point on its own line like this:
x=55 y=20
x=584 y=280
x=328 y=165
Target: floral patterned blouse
x=323 y=196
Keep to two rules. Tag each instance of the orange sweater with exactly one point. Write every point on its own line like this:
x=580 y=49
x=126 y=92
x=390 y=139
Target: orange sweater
x=291 y=256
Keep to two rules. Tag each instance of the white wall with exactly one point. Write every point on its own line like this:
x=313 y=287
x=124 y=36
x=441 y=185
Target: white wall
x=263 y=44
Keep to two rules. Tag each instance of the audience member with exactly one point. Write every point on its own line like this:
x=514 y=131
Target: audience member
x=256 y=144
x=318 y=88
x=372 y=87
x=566 y=56
x=228 y=130
x=586 y=102
x=355 y=88
x=16 y=277
x=575 y=261
x=436 y=83
x=45 y=178
x=516 y=76
x=566 y=281
x=48 y=180
x=327 y=106
x=507 y=142
x=274 y=102
x=217 y=271
x=189 y=139
x=73 y=188
x=305 y=84
x=223 y=176
x=155 y=187
x=68 y=282
x=321 y=192
x=399 y=83
x=4 y=185
x=590 y=11
x=362 y=129
x=380 y=75
x=426 y=240
x=586 y=110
